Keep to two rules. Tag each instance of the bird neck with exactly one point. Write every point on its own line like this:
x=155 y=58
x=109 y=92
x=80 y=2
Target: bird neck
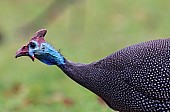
x=71 y=69
x=51 y=56
x=82 y=74
x=89 y=78
x=58 y=58
x=79 y=72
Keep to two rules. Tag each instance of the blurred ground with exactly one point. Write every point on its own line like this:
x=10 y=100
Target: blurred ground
x=85 y=30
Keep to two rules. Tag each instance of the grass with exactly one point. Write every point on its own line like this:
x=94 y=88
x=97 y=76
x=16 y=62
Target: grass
x=85 y=31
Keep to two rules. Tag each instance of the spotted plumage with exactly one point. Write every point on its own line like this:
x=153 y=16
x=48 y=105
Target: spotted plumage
x=134 y=79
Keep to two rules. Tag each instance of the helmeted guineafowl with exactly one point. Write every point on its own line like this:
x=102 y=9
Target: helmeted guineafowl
x=136 y=78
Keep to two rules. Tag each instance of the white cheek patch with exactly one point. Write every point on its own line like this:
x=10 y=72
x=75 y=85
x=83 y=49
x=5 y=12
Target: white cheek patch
x=31 y=50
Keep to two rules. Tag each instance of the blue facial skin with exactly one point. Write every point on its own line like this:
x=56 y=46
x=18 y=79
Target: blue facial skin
x=48 y=55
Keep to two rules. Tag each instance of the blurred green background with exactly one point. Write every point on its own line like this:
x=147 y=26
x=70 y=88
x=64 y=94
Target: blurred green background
x=85 y=30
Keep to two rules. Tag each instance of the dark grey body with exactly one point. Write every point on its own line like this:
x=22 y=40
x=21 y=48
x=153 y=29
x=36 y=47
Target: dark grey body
x=136 y=78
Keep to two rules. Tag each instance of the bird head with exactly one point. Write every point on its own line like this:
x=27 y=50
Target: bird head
x=40 y=49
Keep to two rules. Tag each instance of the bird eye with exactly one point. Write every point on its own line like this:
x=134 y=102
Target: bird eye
x=32 y=45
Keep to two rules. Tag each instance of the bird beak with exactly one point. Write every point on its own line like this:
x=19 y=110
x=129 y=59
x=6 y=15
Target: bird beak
x=24 y=52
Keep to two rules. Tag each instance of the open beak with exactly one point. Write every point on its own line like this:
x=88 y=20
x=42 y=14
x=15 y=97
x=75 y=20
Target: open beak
x=24 y=52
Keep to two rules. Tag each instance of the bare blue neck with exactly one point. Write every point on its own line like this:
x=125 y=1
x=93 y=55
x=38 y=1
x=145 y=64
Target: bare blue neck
x=51 y=56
